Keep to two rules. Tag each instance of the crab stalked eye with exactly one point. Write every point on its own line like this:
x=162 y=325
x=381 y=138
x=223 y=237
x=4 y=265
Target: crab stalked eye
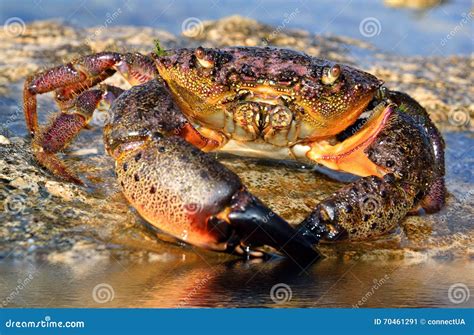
x=203 y=58
x=199 y=52
x=331 y=75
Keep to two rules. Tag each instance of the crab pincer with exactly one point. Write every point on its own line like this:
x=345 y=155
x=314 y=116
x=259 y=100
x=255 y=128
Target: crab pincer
x=410 y=178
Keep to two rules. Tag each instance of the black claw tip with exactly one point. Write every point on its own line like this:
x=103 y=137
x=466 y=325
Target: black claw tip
x=320 y=225
x=312 y=229
x=257 y=225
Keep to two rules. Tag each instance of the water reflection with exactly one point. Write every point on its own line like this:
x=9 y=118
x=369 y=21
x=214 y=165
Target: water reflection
x=207 y=283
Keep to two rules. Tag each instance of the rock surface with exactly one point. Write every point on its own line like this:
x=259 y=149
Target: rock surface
x=43 y=217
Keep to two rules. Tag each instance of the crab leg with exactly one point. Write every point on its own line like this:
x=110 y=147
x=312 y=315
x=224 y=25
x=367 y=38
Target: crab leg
x=71 y=83
x=64 y=126
x=182 y=190
x=71 y=79
x=434 y=198
x=369 y=207
x=394 y=174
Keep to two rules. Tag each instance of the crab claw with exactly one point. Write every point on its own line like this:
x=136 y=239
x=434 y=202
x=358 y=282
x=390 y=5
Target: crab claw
x=257 y=225
x=188 y=194
x=399 y=155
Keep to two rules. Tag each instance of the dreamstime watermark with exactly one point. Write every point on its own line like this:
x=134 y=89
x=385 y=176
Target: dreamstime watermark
x=14 y=204
x=284 y=23
x=103 y=293
x=459 y=117
x=199 y=284
x=192 y=27
x=14 y=27
x=457 y=28
x=459 y=293
x=109 y=20
x=17 y=203
x=370 y=27
x=193 y=208
x=462 y=201
x=14 y=116
x=369 y=204
x=378 y=283
x=22 y=284
x=281 y=293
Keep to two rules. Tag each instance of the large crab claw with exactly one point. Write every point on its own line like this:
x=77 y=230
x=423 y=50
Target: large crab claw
x=399 y=155
x=184 y=191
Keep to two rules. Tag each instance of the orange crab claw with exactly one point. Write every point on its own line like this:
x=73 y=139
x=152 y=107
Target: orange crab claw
x=188 y=194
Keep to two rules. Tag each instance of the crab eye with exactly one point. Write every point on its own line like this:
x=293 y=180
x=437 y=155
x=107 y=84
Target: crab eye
x=331 y=75
x=202 y=58
x=199 y=52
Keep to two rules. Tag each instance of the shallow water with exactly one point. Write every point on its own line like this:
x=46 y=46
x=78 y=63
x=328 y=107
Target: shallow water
x=178 y=283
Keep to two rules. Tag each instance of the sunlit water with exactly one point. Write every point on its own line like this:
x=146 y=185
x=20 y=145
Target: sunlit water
x=180 y=284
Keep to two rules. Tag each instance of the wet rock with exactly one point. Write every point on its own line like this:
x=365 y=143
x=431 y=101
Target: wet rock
x=4 y=140
x=43 y=217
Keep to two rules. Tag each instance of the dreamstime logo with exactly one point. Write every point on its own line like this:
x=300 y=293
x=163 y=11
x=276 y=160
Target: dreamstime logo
x=369 y=205
x=15 y=203
x=288 y=18
x=370 y=27
x=192 y=27
x=103 y=293
x=467 y=18
x=14 y=27
x=459 y=293
x=459 y=117
x=193 y=208
x=281 y=293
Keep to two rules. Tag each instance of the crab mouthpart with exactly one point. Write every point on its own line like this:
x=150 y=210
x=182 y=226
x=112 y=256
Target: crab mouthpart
x=349 y=155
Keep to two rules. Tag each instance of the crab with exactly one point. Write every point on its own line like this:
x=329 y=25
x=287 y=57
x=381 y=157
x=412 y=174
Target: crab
x=251 y=101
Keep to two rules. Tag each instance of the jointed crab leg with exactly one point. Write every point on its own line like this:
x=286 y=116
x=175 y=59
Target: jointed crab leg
x=434 y=200
x=71 y=83
x=71 y=79
x=63 y=127
x=369 y=207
